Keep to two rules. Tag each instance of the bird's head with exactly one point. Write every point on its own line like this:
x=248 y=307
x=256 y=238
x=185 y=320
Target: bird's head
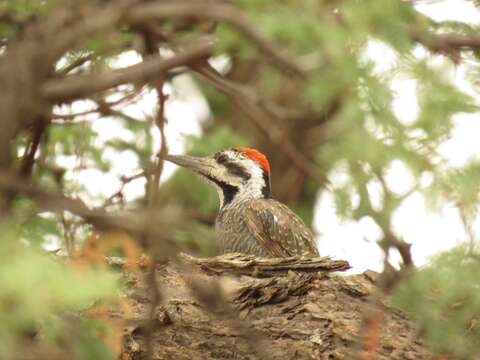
x=237 y=173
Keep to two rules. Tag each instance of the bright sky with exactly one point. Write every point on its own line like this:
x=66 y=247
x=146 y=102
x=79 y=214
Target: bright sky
x=428 y=231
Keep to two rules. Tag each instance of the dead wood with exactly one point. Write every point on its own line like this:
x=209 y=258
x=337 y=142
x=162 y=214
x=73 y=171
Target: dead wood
x=225 y=314
x=236 y=263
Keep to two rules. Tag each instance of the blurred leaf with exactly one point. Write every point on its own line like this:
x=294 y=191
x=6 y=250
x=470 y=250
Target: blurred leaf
x=35 y=286
x=444 y=298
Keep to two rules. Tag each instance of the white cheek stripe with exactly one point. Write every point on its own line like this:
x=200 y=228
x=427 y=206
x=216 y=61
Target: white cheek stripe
x=250 y=189
x=220 y=195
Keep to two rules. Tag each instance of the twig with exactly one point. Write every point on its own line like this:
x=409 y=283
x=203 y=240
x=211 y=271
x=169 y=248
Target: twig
x=38 y=130
x=391 y=240
x=154 y=184
x=75 y=64
x=124 y=181
x=79 y=86
x=136 y=222
x=450 y=45
x=103 y=106
x=221 y=12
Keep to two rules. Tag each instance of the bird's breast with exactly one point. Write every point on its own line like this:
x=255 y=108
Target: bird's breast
x=232 y=232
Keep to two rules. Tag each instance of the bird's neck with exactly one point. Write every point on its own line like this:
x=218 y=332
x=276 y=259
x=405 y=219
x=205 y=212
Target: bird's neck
x=230 y=195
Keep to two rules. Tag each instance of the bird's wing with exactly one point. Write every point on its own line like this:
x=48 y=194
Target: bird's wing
x=278 y=229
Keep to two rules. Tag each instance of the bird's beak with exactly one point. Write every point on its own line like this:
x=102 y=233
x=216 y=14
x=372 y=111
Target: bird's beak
x=200 y=165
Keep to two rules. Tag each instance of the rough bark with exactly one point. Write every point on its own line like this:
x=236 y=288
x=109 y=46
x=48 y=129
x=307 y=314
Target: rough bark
x=211 y=310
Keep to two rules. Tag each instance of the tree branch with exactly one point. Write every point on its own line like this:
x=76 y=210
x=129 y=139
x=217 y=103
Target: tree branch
x=448 y=44
x=221 y=12
x=79 y=86
x=137 y=223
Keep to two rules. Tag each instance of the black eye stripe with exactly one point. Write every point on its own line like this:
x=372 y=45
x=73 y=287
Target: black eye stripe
x=237 y=170
x=221 y=158
x=232 y=167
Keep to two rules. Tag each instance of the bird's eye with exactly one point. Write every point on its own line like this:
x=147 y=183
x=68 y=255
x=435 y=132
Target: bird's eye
x=221 y=158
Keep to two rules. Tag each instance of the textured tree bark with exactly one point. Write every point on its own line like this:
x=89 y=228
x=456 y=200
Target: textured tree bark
x=211 y=310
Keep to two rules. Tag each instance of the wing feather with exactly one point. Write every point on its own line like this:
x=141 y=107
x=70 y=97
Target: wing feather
x=278 y=229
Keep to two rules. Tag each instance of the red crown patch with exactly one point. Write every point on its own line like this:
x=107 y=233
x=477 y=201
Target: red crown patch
x=256 y=156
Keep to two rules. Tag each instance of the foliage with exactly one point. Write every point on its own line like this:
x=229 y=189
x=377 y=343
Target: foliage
x=335 y=111
x=444 y=298
x=39 y=291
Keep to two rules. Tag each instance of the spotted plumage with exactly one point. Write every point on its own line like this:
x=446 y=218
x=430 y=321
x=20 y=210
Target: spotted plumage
x=249 y=220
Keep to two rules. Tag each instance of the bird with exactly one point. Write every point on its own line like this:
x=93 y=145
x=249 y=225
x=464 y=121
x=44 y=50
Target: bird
x=249 y=221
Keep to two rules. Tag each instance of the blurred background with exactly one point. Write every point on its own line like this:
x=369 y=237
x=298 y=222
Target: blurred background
x=367 y=111
x=201 y=121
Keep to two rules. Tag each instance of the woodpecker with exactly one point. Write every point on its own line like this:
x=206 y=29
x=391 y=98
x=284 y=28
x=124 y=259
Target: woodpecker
x=249 y=220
